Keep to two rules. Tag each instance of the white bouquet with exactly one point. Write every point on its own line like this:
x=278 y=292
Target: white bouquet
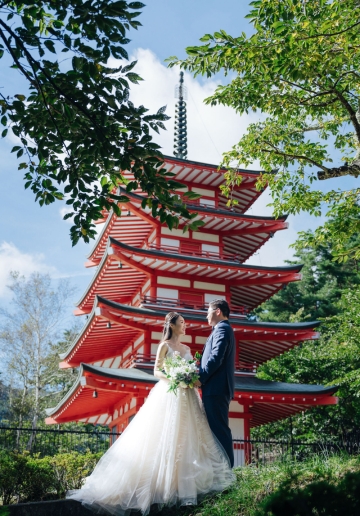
x=180 y=372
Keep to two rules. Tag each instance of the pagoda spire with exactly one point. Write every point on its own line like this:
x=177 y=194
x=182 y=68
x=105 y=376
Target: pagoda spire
x=180 y=138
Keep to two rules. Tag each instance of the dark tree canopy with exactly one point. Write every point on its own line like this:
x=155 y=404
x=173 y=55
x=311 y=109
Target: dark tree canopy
x=329 y=292
x=318 y=293
x=334 y=359
x=77 y=128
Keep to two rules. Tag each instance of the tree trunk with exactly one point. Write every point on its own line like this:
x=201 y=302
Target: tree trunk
x=36 y=408
x=23 y=399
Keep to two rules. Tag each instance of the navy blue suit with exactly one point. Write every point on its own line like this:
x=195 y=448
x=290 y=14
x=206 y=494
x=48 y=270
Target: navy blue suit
x=217 y=370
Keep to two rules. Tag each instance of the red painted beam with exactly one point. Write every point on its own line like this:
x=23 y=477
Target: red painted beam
x=287 y=399
x=278 y=336
x=240 y=415
x=105 y=314
x=117 y=255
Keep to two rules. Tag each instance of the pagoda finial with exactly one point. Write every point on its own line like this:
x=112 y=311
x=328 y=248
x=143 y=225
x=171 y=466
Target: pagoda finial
x=180 y=139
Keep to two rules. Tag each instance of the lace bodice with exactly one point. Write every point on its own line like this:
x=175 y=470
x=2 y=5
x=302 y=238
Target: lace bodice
x=186 y=353
x=160 y=361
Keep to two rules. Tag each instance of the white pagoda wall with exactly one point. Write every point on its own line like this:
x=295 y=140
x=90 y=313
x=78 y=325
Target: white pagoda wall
x=237 y=430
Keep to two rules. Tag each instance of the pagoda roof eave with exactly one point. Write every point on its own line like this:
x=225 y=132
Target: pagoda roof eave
x=173 y=159
x=206 y=261
x=259 y=341
x=286 y=398
x=250 y=285
x=232 y=214
x=135 y=375
x=82 y=332
x=100 y=236
x=257 y=385
x=93 y=279
x=95 y=329
x=212 y=210
x=52 y=410
x=136 y=310
x=242 y=384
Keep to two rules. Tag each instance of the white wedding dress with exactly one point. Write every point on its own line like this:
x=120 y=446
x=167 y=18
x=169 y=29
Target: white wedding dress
x=166 y=456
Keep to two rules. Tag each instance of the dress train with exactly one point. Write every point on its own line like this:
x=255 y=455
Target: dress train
x=167 y=456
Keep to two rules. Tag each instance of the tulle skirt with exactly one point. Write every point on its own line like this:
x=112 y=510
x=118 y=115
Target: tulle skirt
x=166 y=456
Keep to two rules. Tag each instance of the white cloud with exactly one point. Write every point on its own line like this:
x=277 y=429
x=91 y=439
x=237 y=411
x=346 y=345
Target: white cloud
x=211 y=130
x=12 y=259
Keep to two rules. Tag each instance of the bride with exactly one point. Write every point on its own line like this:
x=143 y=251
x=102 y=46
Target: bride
x=167 y=455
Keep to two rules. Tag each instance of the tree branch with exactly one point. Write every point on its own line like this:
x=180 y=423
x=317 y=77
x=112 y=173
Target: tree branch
x=298 y=86
x=16 y=60
x=292 y=156
x=351 y=72
x=32 y=62
x=350 y=110
x=330 y=34
x=4 y=4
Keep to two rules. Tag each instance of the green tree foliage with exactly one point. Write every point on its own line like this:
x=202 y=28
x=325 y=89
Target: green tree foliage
x=27 y=333
x=333 y=359
x=4 y=400
x=57 y=382
x=329 y=291
x=300 y=71
x=317 y=294
x=77 y=128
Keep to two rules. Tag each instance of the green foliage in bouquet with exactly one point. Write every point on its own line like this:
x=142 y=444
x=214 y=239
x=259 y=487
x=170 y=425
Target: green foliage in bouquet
x=180 y=372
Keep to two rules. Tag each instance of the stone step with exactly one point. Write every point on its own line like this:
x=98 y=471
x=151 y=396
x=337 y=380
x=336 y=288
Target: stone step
x=48 y=508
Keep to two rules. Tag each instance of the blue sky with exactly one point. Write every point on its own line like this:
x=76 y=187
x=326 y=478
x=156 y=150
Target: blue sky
x=34 y=238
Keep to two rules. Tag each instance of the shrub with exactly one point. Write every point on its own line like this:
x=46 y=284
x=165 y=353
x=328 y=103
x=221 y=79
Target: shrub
x=317 y=498
x=26 y=478
x=12 y=466
x=38 y=479
x=71 y=469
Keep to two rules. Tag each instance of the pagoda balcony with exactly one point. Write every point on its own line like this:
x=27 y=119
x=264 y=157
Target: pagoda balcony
x=199 y=254
x=144 y=361
x=187 y=306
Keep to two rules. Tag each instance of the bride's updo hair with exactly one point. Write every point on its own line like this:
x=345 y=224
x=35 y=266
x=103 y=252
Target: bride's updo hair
x=171 y=318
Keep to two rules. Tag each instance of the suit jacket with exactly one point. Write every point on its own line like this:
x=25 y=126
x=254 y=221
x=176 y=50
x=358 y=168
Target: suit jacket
x=217 y=368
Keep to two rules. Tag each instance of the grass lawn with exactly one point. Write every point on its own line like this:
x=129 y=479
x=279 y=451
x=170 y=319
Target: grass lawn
x=323 y=485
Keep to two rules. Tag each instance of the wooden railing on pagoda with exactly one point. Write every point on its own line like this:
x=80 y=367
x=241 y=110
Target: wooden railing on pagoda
x=163 y=302
x=147 y=361
x=199 y=254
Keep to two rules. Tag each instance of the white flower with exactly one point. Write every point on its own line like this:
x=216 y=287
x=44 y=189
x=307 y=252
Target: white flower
x=183 y=385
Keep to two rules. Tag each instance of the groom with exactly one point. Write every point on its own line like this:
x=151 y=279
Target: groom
x=217 y=370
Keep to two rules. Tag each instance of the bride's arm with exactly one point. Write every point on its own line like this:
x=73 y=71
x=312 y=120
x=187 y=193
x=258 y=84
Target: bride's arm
x=159 y=361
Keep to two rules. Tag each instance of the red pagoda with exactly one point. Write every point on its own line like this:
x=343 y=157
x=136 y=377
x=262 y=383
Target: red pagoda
x=143 y=270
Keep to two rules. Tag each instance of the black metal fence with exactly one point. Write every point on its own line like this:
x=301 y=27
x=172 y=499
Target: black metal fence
x=266 y=451
x=52 y=441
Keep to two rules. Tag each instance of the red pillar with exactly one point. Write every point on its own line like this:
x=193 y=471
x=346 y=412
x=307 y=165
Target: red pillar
x=147 y=345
